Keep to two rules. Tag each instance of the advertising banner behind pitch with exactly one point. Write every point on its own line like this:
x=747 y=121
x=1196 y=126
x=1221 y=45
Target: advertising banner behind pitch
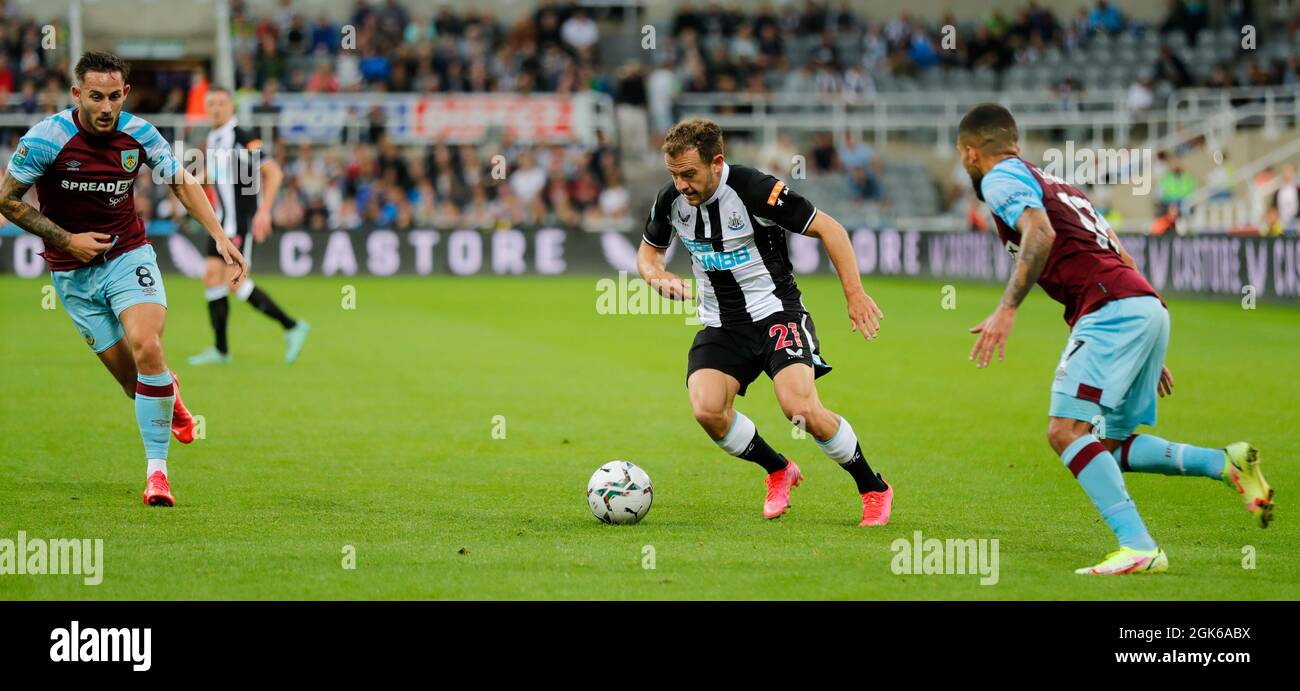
x=1269 y=268
x=453 y=119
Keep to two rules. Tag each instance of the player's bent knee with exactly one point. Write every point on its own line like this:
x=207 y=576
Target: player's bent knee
x=801 y=409
x=1061 y=432
x=148 y=352
x=709 y=419
x=713 y=420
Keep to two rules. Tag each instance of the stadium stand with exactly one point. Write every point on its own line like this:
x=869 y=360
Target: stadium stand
x=852 y=90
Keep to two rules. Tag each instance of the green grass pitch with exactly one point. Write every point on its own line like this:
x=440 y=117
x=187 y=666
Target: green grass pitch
x=381 y=438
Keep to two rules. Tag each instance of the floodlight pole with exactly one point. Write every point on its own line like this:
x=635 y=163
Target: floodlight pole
x=75 y=38
x=223 y=72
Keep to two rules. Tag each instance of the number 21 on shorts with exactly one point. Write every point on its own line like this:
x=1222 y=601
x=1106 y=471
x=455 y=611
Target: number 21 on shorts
x=783 y=339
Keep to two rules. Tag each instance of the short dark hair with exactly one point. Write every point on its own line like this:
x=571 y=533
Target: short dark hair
x=101 y=61
x=700 y=134
x=989 y=126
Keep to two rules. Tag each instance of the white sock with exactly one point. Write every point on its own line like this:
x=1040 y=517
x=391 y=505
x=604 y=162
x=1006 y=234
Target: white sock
x=738 y=437
x=156 y=464
x=842 y=444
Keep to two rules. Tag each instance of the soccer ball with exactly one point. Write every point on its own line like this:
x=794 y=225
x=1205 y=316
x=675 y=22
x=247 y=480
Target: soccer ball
x=619 y=492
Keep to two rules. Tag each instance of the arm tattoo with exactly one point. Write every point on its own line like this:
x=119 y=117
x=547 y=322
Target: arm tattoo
x=25 y=216
x=1036 y=245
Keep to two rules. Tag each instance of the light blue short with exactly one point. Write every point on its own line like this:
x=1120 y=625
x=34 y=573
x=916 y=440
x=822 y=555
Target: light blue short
x=1111 y=366
x=96 y=295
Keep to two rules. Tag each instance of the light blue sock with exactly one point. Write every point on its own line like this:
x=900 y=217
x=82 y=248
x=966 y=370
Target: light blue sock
x=154 y=396
x=1098 y=473
x=1147 y=453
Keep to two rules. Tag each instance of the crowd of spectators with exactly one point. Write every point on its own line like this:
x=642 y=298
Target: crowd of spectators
x=722 y=49
x=408 y=47
x=1271 y=204
x=413 y=47
x=441 y=186
x=852 y=158
x=396 y=45
x=378 y=183
x=1276 y=191
x=400 y=46
x=33 y=63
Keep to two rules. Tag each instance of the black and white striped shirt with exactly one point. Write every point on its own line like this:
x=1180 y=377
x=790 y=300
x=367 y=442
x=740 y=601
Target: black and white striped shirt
x=737 y=244
x=234 y=168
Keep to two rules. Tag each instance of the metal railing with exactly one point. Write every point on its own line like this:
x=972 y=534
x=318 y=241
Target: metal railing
x=1187 y=116
x=1276 y=106
x=1099 y=115
x=174 y=127
x=882 y=115
x=352 y=129
x=1204 y=214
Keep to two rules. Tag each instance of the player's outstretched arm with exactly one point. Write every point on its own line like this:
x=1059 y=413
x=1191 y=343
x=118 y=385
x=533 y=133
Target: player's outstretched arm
x=83 y=246
x=1036 y=238
x=863 y=312
x=650 y=264
x=191 y=195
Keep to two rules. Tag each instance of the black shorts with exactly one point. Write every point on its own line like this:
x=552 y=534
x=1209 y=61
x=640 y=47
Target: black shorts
x=243 y=241
x=770 y=345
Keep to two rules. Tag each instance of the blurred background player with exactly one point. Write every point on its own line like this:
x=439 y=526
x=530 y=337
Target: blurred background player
x=83 y=162
x=733 y=219
x=246 y=180
x=1113 y=364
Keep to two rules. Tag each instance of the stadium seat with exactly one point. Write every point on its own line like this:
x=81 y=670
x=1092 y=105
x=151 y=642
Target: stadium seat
x=1228 y=36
